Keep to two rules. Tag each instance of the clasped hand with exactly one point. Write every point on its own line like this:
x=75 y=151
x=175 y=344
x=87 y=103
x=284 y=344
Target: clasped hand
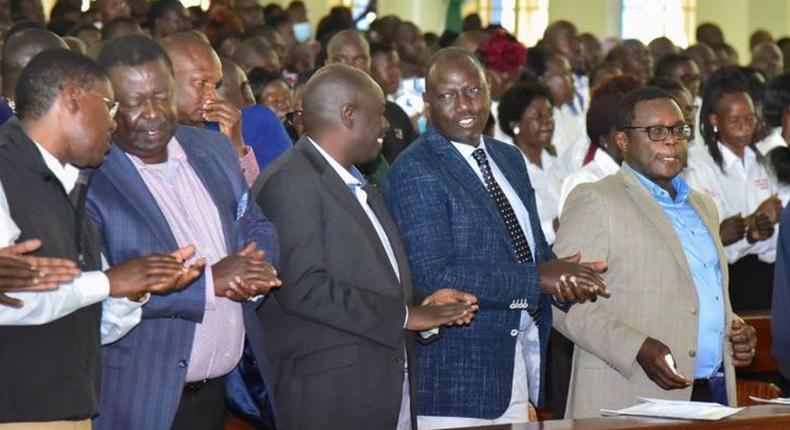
x=445 y=306
x=244 y=275
x=570 y=280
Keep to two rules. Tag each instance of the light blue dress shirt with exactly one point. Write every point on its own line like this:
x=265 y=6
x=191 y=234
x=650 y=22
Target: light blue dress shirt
x=703 y=260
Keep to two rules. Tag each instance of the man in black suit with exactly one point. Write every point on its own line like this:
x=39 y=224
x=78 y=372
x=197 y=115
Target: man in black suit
x=339 y=339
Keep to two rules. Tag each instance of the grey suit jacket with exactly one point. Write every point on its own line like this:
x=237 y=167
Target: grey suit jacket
x=334 y=331
x=617 y=220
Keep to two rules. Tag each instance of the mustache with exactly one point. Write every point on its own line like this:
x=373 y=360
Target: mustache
x=146 y=127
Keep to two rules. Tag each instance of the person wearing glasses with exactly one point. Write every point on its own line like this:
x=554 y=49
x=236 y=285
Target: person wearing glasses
x=667 y=331
x=51 y=359
x=730 y=169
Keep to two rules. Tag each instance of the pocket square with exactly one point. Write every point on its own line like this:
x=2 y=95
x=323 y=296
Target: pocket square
x=241 y=208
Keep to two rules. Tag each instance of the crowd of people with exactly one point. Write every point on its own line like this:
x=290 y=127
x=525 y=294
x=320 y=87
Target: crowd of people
x=220 y=213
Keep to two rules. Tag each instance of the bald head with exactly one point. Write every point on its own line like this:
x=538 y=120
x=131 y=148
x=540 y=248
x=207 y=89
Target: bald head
x=768 y=59
x=446 y=58
x=235 y=87
x=256 y=52
x=563 y=38
x=344 y=112
x=349 y=47
x=19 y=49
x=197 y=71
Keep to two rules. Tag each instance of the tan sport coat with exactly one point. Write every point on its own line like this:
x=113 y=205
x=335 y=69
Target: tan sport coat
x=617 y=220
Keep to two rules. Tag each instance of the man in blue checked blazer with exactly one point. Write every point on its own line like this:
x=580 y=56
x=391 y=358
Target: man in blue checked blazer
x=159 y=185
x=466 y=209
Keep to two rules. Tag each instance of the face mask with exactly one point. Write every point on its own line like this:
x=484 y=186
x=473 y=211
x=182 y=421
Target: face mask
x=302 y=31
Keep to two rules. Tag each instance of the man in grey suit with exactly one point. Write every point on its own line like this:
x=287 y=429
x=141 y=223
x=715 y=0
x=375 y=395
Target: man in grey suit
x=338 y=337
x=668 y=330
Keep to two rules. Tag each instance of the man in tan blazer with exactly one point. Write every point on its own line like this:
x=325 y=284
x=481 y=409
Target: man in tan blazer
x=667 y=274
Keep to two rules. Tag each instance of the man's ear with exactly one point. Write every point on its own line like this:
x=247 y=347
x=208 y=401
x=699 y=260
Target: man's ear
x=621 y=140
x=347 y=113
x=69 y=97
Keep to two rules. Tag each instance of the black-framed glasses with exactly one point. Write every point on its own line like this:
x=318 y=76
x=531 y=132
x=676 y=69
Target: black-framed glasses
x=658 y=133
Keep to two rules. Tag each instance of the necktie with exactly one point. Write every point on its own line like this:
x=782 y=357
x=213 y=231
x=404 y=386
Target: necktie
x=523 y=253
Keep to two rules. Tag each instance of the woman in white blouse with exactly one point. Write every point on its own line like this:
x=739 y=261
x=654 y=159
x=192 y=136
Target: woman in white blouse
x=525 y=115
x=730 y=170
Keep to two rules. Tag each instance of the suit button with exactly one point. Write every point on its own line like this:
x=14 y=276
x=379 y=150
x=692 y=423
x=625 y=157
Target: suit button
x=514 y=332
x=692 y=353
x=399 y=360
x=182 y=363
x=693 y=311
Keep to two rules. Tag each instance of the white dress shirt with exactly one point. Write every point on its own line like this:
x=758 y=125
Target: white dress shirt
x=771 y=141
x=737 y=188
x=526 y=363
x=547 y=192
x=41 y=307
x=601 y=166
x=569 y=127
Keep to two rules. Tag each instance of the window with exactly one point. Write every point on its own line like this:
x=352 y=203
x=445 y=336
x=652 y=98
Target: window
x=647 y=19
x=526 y=19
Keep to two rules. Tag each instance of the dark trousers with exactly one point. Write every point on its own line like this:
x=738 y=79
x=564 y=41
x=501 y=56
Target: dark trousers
x=751 y=284
x=202 y=406
x=559 y=362
x=710 y=390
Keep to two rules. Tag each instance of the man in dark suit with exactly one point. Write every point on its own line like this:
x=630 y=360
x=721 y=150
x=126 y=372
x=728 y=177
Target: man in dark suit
x=338 y=336
x=161 y=185
x=466 y=208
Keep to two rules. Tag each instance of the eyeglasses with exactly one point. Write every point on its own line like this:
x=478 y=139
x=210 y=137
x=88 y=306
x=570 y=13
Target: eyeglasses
x=112 y=106
x=658 y=133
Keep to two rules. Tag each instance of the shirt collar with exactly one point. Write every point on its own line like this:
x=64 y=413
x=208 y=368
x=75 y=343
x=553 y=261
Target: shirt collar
x=729 y=158
x=467 y=150
x=66 y=173
x=175 y=155
x=682 y=188
x=352 y=177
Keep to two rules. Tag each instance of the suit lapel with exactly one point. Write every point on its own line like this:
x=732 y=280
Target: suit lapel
x=517 y=174
x=454 y=163
x=391 y=230
x=340 y=191
x=120 y=171
x=217 y=184
x=650 y=208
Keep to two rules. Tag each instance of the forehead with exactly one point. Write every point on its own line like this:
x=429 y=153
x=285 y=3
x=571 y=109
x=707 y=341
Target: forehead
x=201 y=59
x=733 y=101
x=149 y=77
x=657 y=112
x=456 y=72
x=350 y=46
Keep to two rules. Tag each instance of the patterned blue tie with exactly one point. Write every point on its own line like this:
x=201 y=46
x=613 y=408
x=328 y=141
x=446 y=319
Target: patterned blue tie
x=523 y=253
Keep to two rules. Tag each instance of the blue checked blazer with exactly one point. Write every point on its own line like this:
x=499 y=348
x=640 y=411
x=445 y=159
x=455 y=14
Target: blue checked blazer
x=144 y=372
x=455 y=236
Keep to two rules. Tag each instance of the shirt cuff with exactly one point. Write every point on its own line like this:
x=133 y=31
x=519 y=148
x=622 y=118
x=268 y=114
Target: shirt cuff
x=92 y=287
x=249 y=166
x=119 y=317
x=211 y=298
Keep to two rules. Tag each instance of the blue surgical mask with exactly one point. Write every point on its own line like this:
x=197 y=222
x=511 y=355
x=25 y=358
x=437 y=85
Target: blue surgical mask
x=302 y=31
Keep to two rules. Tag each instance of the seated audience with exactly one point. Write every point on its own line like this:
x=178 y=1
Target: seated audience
x=729 y=169
x=776 y=114
x=525 y=116
x=261 y=129
x=603 y=157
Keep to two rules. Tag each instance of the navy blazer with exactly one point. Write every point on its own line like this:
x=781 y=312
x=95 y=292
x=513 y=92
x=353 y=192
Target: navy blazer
x=144 y=372
x=455 y=236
